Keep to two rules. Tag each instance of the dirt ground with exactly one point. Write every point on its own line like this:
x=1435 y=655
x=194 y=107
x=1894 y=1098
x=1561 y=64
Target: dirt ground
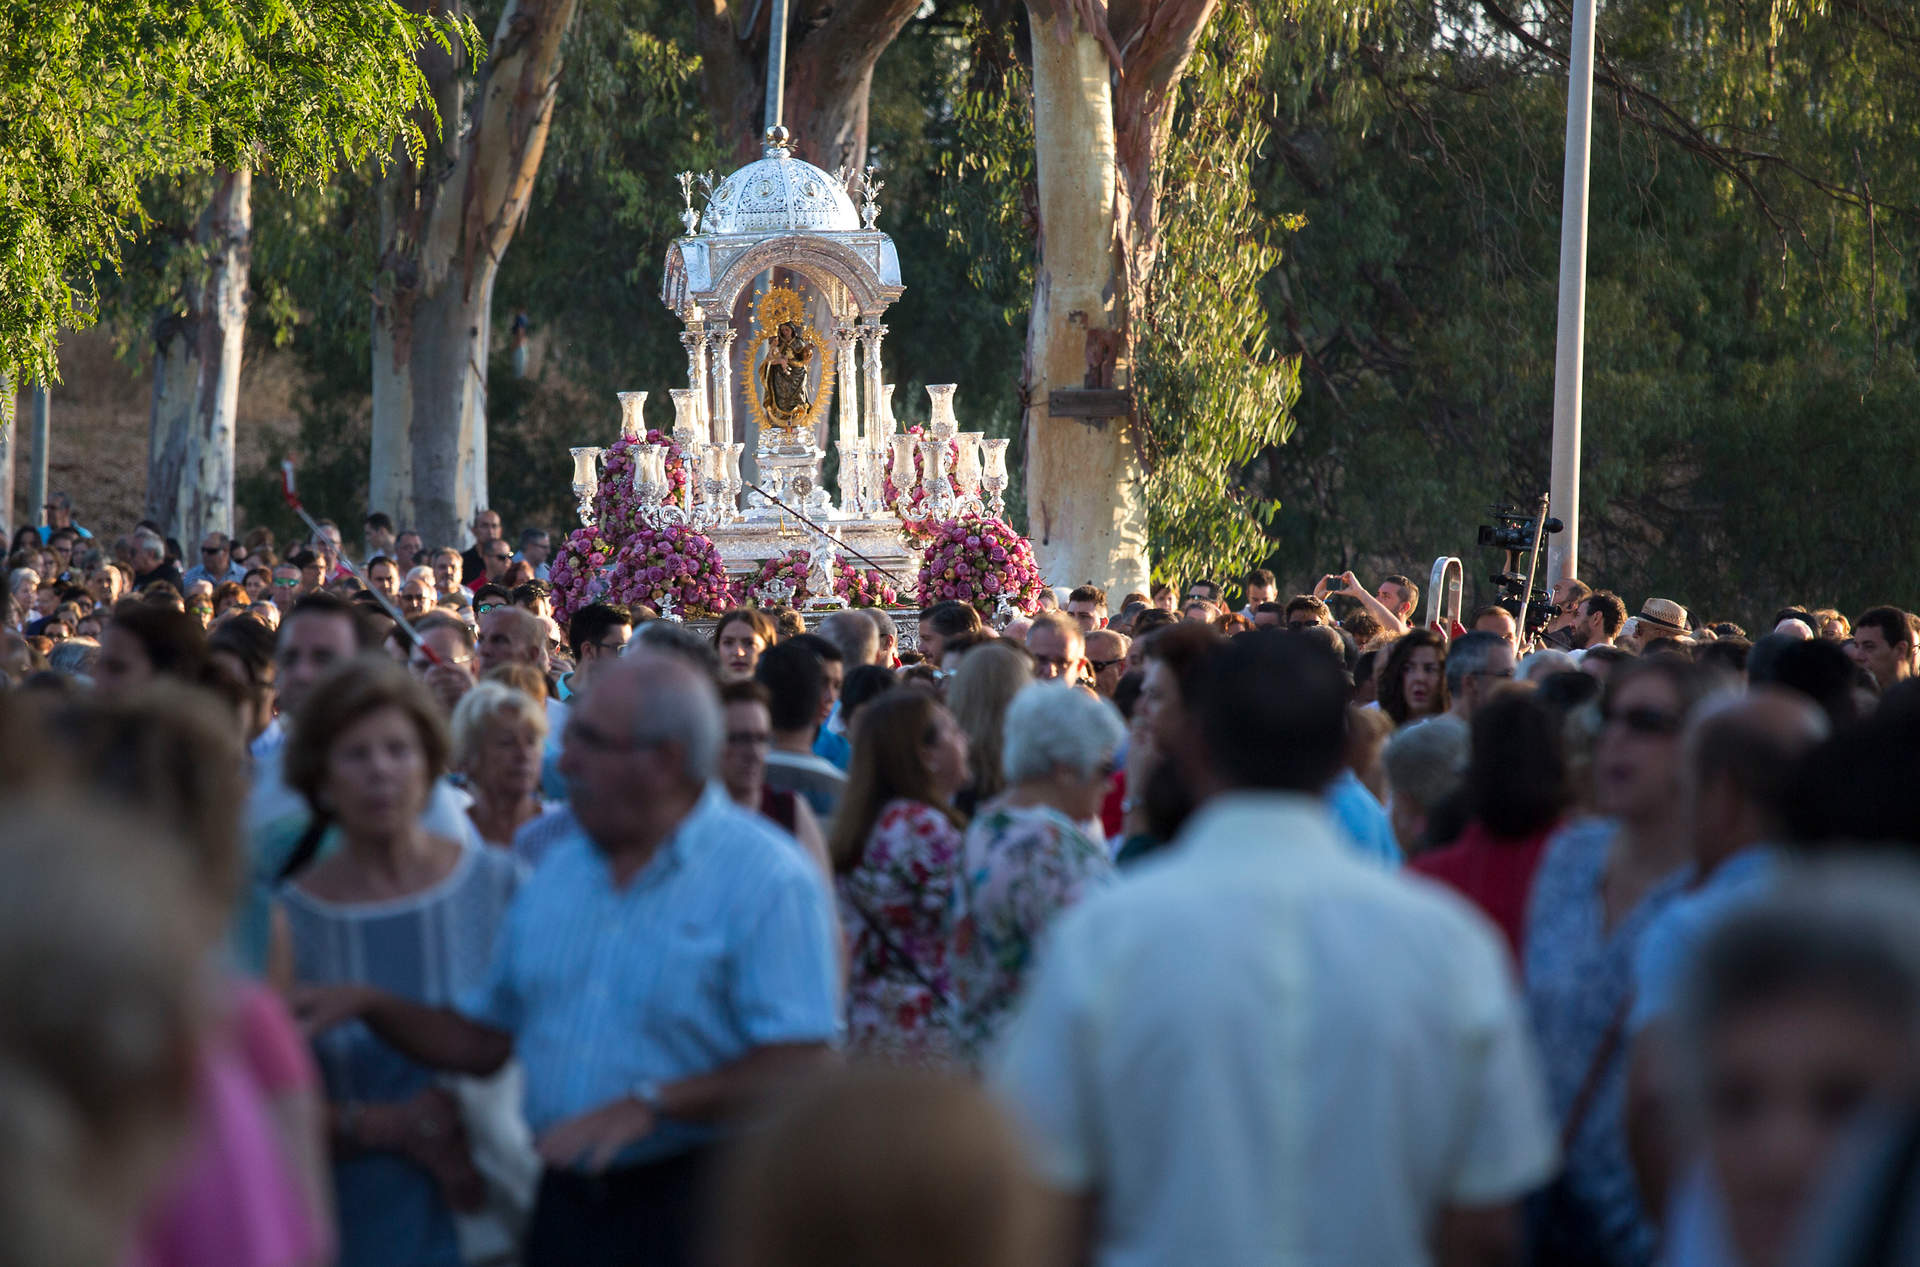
x=97 y=429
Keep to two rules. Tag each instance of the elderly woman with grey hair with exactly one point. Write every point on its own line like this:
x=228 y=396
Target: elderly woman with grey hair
x=1029 y=854
x=498 y=733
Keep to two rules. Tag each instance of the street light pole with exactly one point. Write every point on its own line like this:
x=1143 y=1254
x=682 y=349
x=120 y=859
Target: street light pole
x=1563 y=554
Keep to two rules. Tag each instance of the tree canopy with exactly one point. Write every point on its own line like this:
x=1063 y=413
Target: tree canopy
x=1349 y=342
x=99 y=100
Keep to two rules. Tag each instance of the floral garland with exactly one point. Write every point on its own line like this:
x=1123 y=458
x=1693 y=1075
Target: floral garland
x=674 y=562
x=868 y=588
x=615 y=504
x=578 y=573
x=979 y=561
x=917 y=520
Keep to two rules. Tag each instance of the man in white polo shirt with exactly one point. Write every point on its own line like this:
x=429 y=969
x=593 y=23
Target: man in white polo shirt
x=1265 y=1049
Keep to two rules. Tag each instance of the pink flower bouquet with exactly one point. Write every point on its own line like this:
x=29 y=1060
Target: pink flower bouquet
x=980 y=561
x=860 y=588
x=578 y=573
x=674 y=562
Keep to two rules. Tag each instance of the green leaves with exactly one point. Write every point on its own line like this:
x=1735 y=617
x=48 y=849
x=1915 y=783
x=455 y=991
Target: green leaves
x=97 y=100
x=1748 y=330
x=1212 y=392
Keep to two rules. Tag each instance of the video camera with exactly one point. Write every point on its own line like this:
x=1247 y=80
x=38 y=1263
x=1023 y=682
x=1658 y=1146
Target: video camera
x=1519 y=533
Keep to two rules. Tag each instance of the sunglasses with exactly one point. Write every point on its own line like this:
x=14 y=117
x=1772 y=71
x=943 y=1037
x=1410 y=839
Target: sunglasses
x=286 y=582
x=1101 y=666
x=213 y=549
x=484 y=608
x=1648 y=721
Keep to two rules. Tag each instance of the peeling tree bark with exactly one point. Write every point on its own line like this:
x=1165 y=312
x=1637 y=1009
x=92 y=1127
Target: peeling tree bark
x=832 y=46
x=1105 y=80
x=445 y=224
x=196 y=375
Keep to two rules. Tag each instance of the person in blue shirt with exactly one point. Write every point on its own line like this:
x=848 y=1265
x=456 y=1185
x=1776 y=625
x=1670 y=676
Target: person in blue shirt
x=661 y=968
x=1738 y=757
x=59 y=510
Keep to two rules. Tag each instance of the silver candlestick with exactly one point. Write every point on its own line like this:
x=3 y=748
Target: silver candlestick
x=966 y=473
x=586 y=478
x=903 y=476
x=875 y=459
x=994 y=478
x=940 y=499
x=730 y=477
x=852 y=497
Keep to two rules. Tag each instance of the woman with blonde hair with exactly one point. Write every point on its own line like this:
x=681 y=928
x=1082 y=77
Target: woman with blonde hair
x=978 y=695
x=895 y=845
x=498 y=733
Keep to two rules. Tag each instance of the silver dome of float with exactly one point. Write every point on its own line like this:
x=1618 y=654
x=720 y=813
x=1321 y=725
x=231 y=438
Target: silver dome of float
x=780 y=193
x=781 y=212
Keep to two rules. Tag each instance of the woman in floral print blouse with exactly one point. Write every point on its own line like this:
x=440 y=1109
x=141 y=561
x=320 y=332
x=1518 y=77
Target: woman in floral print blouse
x=1029 y=854
x=896 y=843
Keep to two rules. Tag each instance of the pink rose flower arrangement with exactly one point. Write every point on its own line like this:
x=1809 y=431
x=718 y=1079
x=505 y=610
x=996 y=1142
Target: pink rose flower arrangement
x=979 y=561
x=859 y=588
x=674 y=562
x=615 y=504
x=918 y=520
x=578 y=573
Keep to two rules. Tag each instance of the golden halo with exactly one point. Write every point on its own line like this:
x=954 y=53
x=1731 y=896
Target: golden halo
x=779 y=305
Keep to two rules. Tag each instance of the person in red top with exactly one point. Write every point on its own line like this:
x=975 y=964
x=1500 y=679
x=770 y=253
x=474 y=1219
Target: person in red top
x=1517 y=791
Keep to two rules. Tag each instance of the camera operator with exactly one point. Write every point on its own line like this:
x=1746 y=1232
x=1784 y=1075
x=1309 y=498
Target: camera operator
x=1393 y=606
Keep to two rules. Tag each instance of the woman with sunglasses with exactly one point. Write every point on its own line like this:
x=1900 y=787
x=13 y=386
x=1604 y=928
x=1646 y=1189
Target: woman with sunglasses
x=1029 y=855
x=1599 y=885
x=418 y=594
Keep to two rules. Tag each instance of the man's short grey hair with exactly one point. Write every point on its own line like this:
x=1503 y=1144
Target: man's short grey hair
x=1427 y=762
x=854 y=635
x=74 y=657
x=1544 y=664
x=680 y=704
x=150 y=541
x=1053 y=724
x=1471 y=653
x=224 y=541
x=674 y=638
x=889 y=632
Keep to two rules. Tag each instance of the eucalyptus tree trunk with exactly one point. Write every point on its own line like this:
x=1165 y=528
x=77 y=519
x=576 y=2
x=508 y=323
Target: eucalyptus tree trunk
x=196 y=374
x=832 y=46
x=1100 y=119
x=445 y=223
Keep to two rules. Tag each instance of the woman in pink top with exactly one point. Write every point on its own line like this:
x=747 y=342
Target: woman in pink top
x=248 y=1187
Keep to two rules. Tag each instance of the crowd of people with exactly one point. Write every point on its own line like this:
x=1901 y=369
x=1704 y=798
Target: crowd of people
x=1205 y=926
